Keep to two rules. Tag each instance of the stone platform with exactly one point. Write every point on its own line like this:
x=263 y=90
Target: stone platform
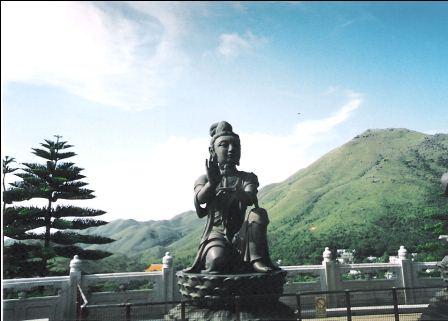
x=251 y=296
x=253 y=312
x=212 y=289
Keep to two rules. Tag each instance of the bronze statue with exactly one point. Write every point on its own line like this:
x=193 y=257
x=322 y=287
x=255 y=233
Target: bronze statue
x=233 y=259
x=233 y=242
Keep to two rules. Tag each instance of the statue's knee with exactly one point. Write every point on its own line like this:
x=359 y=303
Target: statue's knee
x=259 y=216
x=217 y=264
x=216 y=259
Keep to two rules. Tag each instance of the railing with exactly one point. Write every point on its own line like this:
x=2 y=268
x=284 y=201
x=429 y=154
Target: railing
x=161 y=286
x=25 y=283
x=240 y=307
x=335 y=276
x=69 y=293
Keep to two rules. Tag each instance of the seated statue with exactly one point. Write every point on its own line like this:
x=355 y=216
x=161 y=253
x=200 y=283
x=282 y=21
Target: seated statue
x=233 y=241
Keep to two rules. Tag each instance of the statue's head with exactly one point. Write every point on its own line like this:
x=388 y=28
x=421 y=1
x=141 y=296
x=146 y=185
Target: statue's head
x=225 y=144
x=444 y=181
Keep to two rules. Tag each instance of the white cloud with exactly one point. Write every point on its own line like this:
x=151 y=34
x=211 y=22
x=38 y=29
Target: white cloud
x=435 y=131
x=97 y=53
x=153 y=185
x=311 y=128
x=287 y=154
x=348 y=23
x=159 y=185
x=232 y=45
x=330 y=90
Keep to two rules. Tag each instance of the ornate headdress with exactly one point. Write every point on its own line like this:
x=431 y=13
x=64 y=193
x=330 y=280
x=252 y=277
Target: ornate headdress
x=221 y=128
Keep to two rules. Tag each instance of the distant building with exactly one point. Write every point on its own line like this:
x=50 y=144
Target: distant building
x=154 y=268
x=345 y=256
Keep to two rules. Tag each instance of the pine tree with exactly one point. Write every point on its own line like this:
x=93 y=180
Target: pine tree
x=48 y=229
x=15 y=260
x=19 y=259
x=10 y=194
x=6 y=169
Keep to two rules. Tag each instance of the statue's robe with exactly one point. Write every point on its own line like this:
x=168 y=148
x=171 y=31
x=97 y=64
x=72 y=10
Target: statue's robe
x=244 y=236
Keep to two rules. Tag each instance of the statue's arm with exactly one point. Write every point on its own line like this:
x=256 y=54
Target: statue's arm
x=248 y=195
x=204 y=190
x=205 y=186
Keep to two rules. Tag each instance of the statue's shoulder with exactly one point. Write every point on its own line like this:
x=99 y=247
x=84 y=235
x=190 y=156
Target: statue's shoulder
x=202 y=180
x=249 y=178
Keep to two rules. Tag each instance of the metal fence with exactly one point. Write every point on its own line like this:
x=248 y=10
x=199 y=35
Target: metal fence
x=392 y=304
x=389 y=304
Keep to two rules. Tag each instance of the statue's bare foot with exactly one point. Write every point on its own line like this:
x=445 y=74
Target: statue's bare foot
x=261 y=267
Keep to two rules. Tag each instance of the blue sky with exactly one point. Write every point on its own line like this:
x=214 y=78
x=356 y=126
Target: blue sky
x=135 y=86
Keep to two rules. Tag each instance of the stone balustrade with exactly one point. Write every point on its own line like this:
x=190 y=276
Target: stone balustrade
x=328 y=276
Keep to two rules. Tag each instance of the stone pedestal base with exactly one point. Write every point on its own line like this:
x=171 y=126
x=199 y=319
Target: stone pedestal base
x=213 y=290
x=273 y=311
x=213 y=297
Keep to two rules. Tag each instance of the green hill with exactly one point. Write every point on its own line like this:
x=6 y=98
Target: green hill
x=146 y=240
x=372 y=194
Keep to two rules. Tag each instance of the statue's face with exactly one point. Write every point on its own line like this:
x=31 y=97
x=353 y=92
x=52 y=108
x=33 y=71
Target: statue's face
x=228 y=150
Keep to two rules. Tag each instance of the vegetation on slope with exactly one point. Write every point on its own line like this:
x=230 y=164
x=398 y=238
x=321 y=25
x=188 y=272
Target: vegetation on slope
x=372 y=194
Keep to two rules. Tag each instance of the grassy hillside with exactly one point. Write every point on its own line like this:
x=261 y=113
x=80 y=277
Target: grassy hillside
x=134 y=236
x=372 y=194
x=142 y=242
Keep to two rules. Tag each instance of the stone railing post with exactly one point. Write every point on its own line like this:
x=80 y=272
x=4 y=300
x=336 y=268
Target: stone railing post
x=168 y=277
x=407 y=274
x=331 y=274
x=72 y=288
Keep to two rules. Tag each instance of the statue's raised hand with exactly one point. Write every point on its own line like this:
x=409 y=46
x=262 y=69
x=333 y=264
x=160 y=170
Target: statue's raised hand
x=212 y=169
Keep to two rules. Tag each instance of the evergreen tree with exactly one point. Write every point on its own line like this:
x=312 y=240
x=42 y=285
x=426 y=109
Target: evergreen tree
x=435 y=249
x=10 y=194
x=6 y=169
x=49 y=229
x=19 y=259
